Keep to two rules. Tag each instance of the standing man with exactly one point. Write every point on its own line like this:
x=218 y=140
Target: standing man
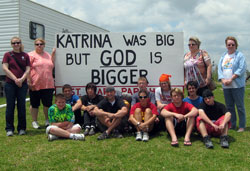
x=89 y=102
x=74 y=101
x=213 y=119
x=142 y=84
x=179 y=117
x=110 y=113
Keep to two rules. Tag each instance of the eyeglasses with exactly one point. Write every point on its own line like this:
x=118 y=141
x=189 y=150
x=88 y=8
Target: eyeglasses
x=16 y=43
x=39 y=44
x=192 y=44
x=143 y=97
x=231 y=45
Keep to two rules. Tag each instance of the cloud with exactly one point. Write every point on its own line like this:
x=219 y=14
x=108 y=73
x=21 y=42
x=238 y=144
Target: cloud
x=210 y=20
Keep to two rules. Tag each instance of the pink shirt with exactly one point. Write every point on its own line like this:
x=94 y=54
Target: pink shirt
x=41 y=68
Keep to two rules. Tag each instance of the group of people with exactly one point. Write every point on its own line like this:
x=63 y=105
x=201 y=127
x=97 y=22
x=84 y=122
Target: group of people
x=166 y=107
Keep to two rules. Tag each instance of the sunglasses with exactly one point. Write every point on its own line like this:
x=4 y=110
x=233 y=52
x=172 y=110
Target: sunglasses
x=231 y=45
x=143 y=97
x=193 y=44
x=39 y=44
x=16 y=43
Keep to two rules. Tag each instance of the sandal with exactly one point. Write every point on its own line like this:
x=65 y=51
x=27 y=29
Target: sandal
x=187 y=143
x=175 y=143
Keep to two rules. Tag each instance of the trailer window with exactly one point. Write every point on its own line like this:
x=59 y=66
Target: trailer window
x=36 y=30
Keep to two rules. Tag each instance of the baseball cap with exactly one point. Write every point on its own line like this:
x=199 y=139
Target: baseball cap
x=109 y=89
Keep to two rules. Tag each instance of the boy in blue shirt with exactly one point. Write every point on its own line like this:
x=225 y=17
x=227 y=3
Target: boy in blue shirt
x=193 y=98
x=75 y=103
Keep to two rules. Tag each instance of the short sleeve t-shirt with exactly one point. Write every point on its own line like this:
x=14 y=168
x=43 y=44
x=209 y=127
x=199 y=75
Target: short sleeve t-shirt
x=150 y=105
x=183 y=109
x=41 y=68
x=72 y=100
x=55 y=115
x=112 y=108
x=215 y=111
x=195 y=102
x=86 y=101
x=227 y=65
x=22 y=58
x=164 y=97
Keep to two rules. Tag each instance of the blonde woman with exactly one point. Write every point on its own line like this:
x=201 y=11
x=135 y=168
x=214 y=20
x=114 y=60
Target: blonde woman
x=41 y=81
x=16 y=65
x=197 y=65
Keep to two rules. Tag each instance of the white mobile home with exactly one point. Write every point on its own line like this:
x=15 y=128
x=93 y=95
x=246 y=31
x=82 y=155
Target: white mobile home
x=29 y=20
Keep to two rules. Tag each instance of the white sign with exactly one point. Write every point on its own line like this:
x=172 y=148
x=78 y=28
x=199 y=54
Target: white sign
x=118 y=59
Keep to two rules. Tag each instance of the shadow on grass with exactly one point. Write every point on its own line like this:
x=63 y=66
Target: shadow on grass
x=34 y=132
x=247 y=129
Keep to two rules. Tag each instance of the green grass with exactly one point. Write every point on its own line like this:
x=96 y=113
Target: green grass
x=34 y=152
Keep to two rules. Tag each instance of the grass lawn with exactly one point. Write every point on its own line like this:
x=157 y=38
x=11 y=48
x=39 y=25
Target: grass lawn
x=34 y=152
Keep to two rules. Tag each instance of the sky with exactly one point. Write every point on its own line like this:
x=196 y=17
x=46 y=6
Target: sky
x=209 y=20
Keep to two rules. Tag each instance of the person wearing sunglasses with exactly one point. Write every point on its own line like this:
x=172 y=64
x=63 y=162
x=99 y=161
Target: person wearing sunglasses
x=142 y=116
x=231 y=73
x=179 y=118
x=197 y=65
x=213 y=120
x=16 y=65
x=142 y=84
x=40 y=80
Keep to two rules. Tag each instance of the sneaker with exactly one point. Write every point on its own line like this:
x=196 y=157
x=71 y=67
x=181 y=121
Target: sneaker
x=9 y=133
x=145 y=137
x=224 y=141
x=78 y=137
x=103 y=136
x=208 y=143
x=52 y=137
x=117 y=134
x=35 y=125
x=92 y=131
x=46 y=123
x=241 y=130
x=86 y=132
x=138 y=136
x=21 y=132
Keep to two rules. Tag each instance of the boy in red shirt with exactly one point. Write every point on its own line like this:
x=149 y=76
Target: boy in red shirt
x=142 y=116
x=179 y=117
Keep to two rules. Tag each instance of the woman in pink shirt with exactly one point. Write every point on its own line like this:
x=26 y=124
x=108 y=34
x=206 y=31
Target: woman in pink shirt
x=41 y=81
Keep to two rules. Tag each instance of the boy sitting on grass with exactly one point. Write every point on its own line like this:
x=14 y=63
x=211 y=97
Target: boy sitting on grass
x=61 y=118
x=214 y=120
x=142 y=116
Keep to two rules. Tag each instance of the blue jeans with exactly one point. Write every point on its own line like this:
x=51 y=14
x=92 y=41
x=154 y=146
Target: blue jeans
x=235 y=96
x=13 y=93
